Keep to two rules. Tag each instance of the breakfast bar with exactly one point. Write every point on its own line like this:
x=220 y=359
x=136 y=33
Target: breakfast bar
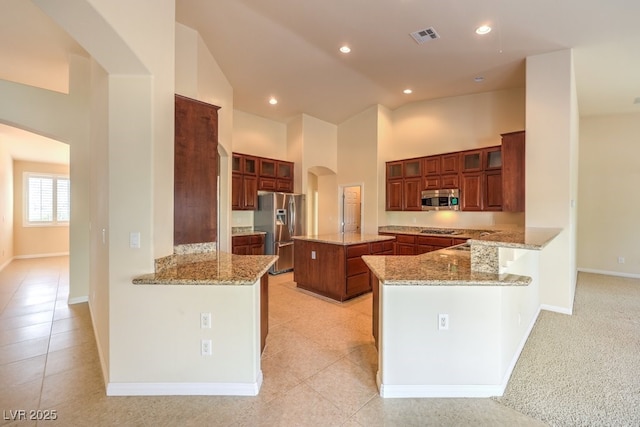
x=213 y=308
x=452 y=323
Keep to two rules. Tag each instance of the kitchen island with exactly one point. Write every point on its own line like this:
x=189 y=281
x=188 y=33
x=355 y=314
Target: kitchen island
x=223 y=353
x=331 y=265
x=452 y=323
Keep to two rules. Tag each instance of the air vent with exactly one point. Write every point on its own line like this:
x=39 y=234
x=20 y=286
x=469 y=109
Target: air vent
x=425 y=35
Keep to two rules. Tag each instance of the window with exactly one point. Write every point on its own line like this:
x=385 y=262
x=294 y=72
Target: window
x=47 y=199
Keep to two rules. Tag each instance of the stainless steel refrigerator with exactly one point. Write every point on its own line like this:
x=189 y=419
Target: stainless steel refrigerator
x=281 y=216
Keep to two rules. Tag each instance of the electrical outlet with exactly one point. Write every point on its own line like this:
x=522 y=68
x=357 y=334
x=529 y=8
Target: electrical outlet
x=443 y=322
x=205 y=320
x=134 y=240
x=205 y=348
x=313 y=254
x=620 y=260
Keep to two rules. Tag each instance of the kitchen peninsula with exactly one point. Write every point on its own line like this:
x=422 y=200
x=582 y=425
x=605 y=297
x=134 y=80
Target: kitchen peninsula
x=452 y=322
x=232 y=290
x=331 y=265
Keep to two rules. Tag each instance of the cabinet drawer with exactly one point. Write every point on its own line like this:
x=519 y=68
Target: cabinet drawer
x=257 y=239
x=358 y=284
x=377 y=247
x=241 y=240
x=405 y=238
x=442 y=242
x=357 y=250
x=356 y=266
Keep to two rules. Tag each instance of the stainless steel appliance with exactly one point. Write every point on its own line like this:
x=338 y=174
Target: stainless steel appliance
x=281 y=216
x=435 y=200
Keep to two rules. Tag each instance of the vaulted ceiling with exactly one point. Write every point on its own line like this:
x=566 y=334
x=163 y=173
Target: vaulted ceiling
x=289 y=49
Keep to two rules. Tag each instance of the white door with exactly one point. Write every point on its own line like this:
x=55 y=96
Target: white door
x=351 y=209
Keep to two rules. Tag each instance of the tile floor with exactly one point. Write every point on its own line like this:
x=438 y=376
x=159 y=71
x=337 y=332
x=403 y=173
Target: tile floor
x=319 y=367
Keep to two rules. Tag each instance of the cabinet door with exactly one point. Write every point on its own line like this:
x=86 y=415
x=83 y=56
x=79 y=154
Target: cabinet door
x=412 y=194
x=431 y=165
x=394 y=195
x=250 y=192
x=266 y=184
x=513 y=164
x=284 y=185
x=195 y=209
x=472 y=191
x=449 y=163
x=412 y=168
x=236 y=163
x=405 y=249
x=394 y=170
x=267 y=168
x=493 y=191
x=284 y=170
x=236 y=191
x=492 y=158
x=431 y=183
x=450 y=181
x=472 y=161
x=249 y=165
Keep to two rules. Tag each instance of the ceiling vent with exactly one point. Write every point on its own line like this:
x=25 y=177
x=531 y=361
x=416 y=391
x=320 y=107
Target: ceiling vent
x=425 y=35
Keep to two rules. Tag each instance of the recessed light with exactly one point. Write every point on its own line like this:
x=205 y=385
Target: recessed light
x=345 y=49
x=407 y=91
x=273 y=101
x=478 y=79
x=483 y=29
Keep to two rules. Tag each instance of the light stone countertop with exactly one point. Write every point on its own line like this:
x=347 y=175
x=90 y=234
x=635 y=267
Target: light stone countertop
x=445 y=267
x=522 y=238
x=210 y=268
x=344 y=239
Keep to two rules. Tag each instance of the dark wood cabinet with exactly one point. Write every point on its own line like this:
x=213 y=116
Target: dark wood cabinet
x=492 y=197
x=481 y=179
x=252 y=244
x=195 y=172
x=513 y=171
x=471 y=191
x=413 y=244
x=335 y=271
x=431 y=165
x=412 y=190
x=449 y=163
x=254 y=173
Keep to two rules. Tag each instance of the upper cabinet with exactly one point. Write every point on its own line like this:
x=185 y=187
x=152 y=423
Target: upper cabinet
x=252 y=174
x=489 y=178
x=513 y=164
x=195 y=172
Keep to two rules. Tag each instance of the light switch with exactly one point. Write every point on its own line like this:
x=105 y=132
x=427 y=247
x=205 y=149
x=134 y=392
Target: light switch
x=134 y=240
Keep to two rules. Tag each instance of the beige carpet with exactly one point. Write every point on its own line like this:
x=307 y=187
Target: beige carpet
x=584 y=369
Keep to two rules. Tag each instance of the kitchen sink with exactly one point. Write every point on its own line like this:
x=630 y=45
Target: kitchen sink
x=439 y=231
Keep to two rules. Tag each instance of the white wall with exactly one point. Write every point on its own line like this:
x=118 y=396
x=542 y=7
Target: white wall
x=32 y=241
x=6 y=205
x=358 y=162
x=609 y=199
x=551 y=175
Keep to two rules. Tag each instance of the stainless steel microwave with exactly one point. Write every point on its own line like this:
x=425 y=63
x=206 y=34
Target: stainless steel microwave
x=440 y=200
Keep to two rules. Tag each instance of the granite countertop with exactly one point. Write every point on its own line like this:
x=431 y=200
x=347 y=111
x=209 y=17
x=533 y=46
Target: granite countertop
x=345 y=239
x=458 y=233
x=445 y=267
x=245 y=231
x=210 y=268
x=521 y=238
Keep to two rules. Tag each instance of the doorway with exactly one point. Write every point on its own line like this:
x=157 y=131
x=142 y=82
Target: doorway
x=351 y=206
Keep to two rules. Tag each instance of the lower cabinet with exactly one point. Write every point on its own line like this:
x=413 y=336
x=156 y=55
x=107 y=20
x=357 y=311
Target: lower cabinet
x=335 y=271
x=252 y=244
x=413 y=244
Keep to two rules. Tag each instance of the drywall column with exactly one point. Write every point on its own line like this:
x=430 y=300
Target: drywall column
x=551 y=171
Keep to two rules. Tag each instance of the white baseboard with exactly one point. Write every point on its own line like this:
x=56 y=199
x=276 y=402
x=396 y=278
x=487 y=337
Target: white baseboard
x=41 y=255
x=610 y=273
x=103 y=365
x=185 y=389
x=556 y=309
x=441 y=391
x=77 y=300
x=6 y=263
